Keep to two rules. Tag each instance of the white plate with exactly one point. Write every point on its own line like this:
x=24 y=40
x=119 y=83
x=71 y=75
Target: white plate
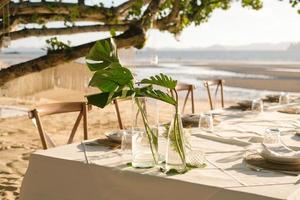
x=280 y=154
x=116 y=135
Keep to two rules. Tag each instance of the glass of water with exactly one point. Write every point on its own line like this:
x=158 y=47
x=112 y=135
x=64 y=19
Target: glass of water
x=126 y=145
x=284 y=98
x=206 y=121
x=257 y=105
x=272 y=136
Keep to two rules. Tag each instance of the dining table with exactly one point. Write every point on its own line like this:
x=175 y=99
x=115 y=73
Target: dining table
x=95 y=171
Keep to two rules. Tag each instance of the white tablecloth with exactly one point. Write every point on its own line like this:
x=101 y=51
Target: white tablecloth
x=62 y=172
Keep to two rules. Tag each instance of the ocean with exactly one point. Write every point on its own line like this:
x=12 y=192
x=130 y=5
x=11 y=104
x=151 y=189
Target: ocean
x=188 y=67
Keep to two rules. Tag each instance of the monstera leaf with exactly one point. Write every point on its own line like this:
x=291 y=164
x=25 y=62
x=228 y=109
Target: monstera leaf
x=105 y=98
x=112 y=79
x=102 y=55
x=148 y=91
x=161 y=80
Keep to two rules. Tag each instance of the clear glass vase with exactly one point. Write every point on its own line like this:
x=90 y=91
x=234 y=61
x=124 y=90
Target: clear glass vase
x=144 y=132
x=176 y=152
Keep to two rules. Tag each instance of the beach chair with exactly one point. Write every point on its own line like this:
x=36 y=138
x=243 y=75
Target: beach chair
x=190 y=92
x=219 y=84
x=58 y=108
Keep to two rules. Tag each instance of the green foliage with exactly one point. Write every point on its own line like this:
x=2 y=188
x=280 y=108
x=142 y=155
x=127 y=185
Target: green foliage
x=136 y=10
x=102 y=55
x=161 y=80
x=116 y=81
x=55 y=45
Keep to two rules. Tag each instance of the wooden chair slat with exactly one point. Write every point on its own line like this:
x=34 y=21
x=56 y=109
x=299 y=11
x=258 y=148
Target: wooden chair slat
x=218 y=83
x=190 y=92
x=58 y=108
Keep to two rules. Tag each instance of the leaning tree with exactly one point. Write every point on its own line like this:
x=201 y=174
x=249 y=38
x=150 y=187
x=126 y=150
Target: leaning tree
x=131 y=19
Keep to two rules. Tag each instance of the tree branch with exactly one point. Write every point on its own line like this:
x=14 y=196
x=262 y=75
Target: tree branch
x=131 y=37
x=65 y=31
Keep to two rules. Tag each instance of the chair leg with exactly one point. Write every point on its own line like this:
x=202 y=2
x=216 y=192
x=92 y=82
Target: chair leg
x=118 y=114
x=84 y=115
x=70 y=140
x=192 y=99
x=222 y=95
x=40 y=129
x=209 y=98
x=185 y=101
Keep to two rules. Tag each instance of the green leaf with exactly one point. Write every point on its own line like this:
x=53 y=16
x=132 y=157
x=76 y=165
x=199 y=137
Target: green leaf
x=161 y=80
x=102 y=55
x=99 y=100
x=157 y=94
x=114 y=78
x=102 y=99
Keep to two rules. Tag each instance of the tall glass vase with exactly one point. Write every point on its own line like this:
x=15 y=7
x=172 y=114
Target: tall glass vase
x=144 y=132
x=176 y=153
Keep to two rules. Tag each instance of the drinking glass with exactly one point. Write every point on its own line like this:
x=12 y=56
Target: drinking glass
x=257 y=105
x=126 y=145
x=206 y=121
x=196 y=157
x=284 y=98
x=272 y=136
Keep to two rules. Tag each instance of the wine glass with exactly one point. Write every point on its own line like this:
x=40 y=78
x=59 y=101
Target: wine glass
x=271 y=136
x=206 y=121
x=257 y=105
x=284 y=98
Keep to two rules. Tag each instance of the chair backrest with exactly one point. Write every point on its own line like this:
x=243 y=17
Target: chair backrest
x=57 y=108
x=219 y=83
x=190 y=92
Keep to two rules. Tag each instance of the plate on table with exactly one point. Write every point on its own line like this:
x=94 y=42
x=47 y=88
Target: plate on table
x=116 y=135
x=192 y=120
x=279 y=154
x=244 y=105
x=258 y=161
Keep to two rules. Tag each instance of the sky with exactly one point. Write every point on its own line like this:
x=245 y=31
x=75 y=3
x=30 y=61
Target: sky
x=276 y=22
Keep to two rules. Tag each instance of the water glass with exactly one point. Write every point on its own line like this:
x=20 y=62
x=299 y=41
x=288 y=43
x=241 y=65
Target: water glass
x=271 y=136
x=206 y=121
x=196 y=157
x=126 y=146
x=257 y=105
x=284 y=98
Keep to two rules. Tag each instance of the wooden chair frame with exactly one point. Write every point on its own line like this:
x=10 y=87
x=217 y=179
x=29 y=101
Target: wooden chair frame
x=190 y=92
x=219 y=83
x=58 y=108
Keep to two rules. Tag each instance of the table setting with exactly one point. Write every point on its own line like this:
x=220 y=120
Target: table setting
x=219 y=154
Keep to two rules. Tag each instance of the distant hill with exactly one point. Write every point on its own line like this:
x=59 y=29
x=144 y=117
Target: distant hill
x=294 y=47
x=282 y=46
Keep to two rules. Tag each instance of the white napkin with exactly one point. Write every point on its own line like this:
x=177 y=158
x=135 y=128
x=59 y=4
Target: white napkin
x=279 y=153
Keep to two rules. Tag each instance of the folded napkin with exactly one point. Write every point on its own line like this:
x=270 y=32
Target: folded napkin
x=226 y=140
x=279 y=153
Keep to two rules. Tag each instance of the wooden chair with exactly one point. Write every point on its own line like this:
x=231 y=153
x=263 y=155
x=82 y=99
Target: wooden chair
x=190 y=92
x=117 y=108
x=219 y=84
x=57 y=108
